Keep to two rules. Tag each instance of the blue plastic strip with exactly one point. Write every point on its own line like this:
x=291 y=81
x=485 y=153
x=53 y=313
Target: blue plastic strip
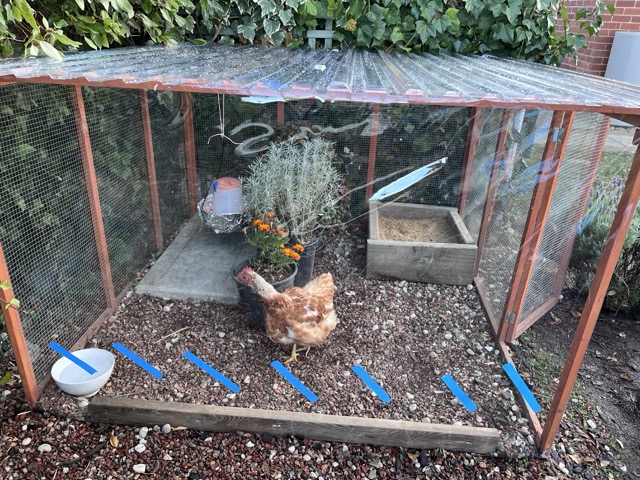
x=293 y=380
x=459 y=393
x=138 y=360
x=371 y=383
x=211 y=371
x=66 y=353
x=521 y=386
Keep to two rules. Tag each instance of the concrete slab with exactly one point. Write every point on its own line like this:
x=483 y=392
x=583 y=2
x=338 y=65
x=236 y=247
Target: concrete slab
x=197 y=265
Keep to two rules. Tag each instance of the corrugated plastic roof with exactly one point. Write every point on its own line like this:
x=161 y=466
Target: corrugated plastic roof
x=362 y=76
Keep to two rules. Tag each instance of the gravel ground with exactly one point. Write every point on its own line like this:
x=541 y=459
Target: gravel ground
x=405 y=335
x=422 y=332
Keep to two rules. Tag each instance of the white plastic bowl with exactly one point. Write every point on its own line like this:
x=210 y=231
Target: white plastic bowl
x=75 y=380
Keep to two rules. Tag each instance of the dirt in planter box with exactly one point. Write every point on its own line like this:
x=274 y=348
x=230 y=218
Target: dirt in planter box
x=405 y=335
x=431 y=230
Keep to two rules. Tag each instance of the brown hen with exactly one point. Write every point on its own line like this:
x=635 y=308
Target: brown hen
x=298 y=316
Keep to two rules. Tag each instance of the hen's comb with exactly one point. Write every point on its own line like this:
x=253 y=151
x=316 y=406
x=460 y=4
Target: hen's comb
x=246 y=270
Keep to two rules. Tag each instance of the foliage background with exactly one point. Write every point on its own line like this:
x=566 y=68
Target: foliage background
x=536 y=30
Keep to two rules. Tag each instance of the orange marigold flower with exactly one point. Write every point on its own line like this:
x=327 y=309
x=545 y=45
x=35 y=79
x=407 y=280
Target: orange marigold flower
x=269 y=215
x=287 y=251
x=257 y=222
x=263 y=227
x=298 y=247
x=295 y=256
x=282 y=233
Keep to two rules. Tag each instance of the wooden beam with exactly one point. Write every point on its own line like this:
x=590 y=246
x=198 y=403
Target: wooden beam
x=151 y=169
x=334 y=428
x=474 y=131
x=537 y=314
x=17 y=338
x=546 y=180
x=280 y=113
x=631 y=115
x=492 y=189
x=485 y=299
x=373 y=145
x=597 y=292
x=94 y=197
x=626 y=118
x=190 y=152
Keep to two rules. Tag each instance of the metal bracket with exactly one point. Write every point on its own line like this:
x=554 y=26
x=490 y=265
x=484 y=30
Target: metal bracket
x=558 y=134
x=510 y=317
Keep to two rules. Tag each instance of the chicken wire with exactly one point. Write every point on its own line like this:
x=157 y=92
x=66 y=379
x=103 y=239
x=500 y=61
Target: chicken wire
x=569 y=199
x=515 y=181
x=114 y=118
x=481 y=166
x=169 y=153
x=45 y=222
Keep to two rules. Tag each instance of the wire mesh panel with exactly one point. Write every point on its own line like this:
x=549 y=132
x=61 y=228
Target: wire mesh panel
x=117 y=142
x=567 y=205
x=481 y=169
x=168 y=149
x=45 y=224
x=516 y=179
x=416 y=135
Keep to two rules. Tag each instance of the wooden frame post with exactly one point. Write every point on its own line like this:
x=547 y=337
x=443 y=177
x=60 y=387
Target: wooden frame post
x=151 y=169
x=493 y=183
x=546 y=180
x=94 y=197
x=17 y=338
x=595 y=299
x=190 y=152
x=280 y=113
x=470 y=149
x=373 y=145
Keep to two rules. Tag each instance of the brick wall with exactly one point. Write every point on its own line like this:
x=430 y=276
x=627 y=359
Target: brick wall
x=594 y=58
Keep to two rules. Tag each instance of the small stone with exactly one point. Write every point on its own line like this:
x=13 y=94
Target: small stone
x=140 y=468
x=26 y=441
x=470 y=352
x=168 y=345
x=65 y=470
x=167 y=458
x=167 y=308
x=410 y=396
x=83 y=402
x=292 y=449
x=144 y=431
x=469 y=287
x=488 y=348
x=448 y=336
x=413 y=407
x=306 y=458
x=560 y=297
x=44 y=448
x=247 y=380
x=166 y=428
x=250 y=444
x=592 y=424
x=231 y=396
x=373 y=474
x=426 y=420
x=140 y=448
x=221 y=334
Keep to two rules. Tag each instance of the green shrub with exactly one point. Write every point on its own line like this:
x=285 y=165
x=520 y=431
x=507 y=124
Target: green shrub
x=624 y=291
x=537 y=30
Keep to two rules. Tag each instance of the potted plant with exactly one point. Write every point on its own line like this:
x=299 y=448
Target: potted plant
x=275 y=260
x=297 y=180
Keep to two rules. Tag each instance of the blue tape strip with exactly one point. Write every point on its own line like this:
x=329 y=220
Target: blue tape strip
x=521 y=386
x=138 y=360
x=371 y=383
x=459 y=393
x=293 y=380
x=211 y=371
x=66 y=353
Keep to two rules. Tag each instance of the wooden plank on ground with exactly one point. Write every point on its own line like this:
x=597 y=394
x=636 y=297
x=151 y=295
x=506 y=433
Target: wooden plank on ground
x=335 y=428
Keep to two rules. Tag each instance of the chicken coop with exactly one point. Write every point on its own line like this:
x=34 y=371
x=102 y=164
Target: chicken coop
x=105 y=155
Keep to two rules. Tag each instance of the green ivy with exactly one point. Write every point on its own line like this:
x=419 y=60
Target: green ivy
x=537 y=30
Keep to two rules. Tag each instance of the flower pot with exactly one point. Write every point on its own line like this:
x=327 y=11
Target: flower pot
x=250 y=301
x=305 y=264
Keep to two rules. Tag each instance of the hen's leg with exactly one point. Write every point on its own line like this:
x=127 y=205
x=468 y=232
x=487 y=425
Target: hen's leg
x=306 y=352
x=293 y=357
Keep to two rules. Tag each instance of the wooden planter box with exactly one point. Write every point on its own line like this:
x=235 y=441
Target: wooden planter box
x=450 y=263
